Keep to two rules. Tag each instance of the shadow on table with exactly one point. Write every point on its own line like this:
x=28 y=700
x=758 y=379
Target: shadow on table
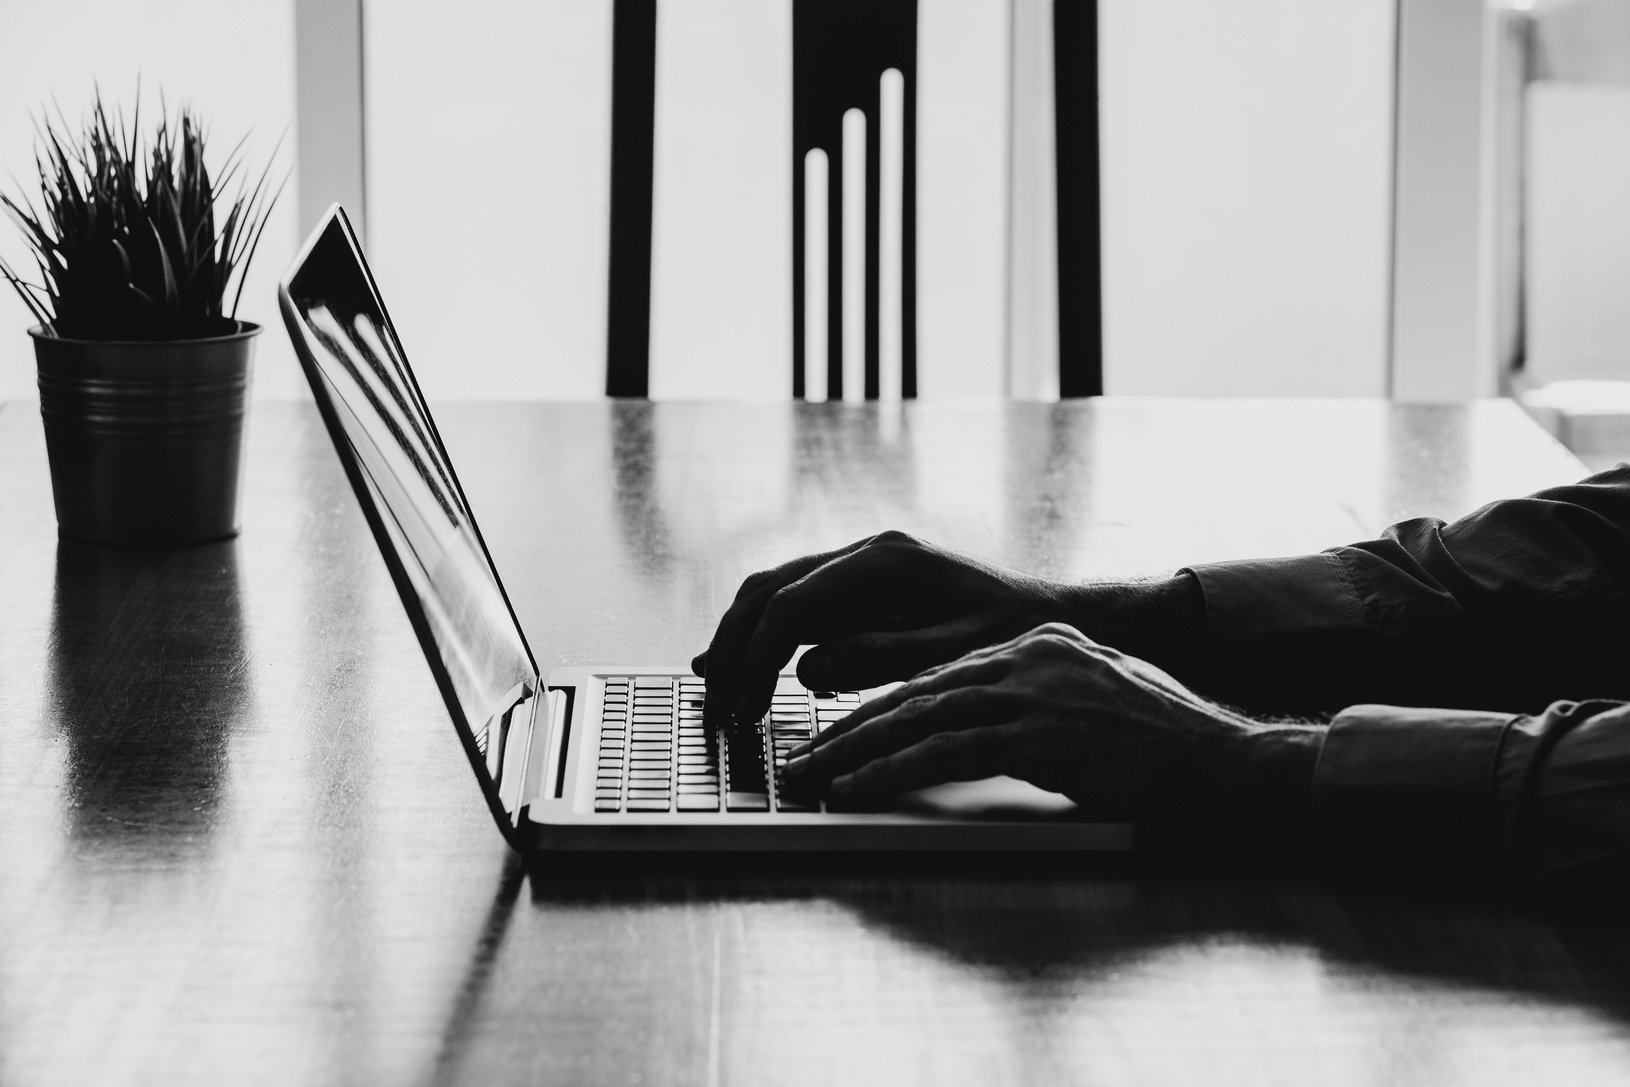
x=458 y=1032
x=1023 y=917
x=147 y=664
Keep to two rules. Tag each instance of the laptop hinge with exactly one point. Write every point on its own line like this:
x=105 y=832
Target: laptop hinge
x=509 y=732
x=546 y=731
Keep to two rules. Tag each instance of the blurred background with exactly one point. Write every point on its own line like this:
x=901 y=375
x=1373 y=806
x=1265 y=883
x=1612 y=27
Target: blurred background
x=1425 y=199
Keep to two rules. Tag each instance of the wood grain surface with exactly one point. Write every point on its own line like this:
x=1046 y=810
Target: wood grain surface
x=239 y=844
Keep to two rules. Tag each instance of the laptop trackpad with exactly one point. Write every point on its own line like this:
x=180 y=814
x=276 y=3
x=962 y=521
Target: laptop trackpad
x=998 y=798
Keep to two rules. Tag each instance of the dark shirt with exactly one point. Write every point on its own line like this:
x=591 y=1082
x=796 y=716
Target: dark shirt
x=1484 y=671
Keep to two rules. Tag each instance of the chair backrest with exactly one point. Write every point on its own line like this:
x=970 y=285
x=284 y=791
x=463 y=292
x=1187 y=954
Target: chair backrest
x=854 y=198
x=633 y=137
x=1080 y=263
x=854 y=97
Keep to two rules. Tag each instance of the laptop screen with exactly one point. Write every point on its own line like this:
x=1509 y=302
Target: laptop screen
x=406 y=485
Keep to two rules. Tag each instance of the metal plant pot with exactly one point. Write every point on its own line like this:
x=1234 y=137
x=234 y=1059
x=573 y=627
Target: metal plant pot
x=145 y=438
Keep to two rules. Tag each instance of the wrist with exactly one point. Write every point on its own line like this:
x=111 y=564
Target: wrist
x=1160 y=620
x=1269 y=791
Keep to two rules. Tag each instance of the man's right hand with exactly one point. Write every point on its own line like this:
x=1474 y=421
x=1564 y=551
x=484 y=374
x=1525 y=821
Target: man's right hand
x=880 y=610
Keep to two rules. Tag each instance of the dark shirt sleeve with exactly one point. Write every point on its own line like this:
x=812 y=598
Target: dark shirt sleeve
x=1522 y=603
x=1484 y=667
x=1518 y=798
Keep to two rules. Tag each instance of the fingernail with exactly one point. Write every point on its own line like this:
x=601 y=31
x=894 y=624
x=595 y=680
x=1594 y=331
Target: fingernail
x=796 y=766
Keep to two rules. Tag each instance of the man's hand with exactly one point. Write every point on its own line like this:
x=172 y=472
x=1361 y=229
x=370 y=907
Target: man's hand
x=885 y=608
x=882 y=609
x=1052 y=707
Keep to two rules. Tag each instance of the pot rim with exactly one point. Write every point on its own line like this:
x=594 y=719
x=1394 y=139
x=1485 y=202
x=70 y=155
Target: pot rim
x=246 y=329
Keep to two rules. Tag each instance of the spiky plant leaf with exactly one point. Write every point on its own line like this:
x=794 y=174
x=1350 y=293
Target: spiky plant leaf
x=137 y=240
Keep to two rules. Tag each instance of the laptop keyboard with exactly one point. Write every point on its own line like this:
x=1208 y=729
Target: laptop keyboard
x=656 y=755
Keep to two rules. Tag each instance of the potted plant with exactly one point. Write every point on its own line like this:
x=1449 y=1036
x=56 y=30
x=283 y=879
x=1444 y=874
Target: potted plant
x=143 y=367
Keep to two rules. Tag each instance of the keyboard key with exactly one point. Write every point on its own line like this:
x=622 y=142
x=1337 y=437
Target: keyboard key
x=791 y=805
x=699 y=803
x=692 y=787
x=607 y=805
x=744 y=757
x=746 y=801
x=642 y=804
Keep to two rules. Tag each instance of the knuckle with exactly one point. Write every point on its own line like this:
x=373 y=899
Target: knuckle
x=895 y=538
x=755 y=583
x=942 y=745
x=781 y=604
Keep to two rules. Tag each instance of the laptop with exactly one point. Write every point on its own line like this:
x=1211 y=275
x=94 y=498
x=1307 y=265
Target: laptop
x=588 y=758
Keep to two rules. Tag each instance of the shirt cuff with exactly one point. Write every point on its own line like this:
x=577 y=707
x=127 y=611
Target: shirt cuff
x=1412 y=790
x=1253 y=599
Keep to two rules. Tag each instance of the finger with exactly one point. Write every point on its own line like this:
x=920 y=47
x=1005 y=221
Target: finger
x=874 y=657
x=965 y=755
x=720 y=661
x=844 y=627
x=907 y=725
x=977 y=670
x=826 y=597
x=985 y=666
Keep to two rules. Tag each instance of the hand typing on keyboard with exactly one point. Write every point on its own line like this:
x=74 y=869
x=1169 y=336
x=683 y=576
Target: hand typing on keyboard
x=1052 y=707
x=1005 y=683
x=882 y=609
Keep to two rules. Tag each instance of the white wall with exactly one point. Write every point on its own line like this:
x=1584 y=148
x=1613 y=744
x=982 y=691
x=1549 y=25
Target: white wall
x=489 y=159
x=231 y=59
x=1577 y=253
x=1246 y=181
x=721 y=232
x=964 y=76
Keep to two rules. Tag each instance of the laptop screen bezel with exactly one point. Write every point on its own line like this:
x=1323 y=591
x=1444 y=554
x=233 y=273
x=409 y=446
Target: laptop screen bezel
x=336 y=219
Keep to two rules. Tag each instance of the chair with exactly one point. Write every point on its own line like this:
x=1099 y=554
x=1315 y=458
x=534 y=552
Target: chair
x=852 y=57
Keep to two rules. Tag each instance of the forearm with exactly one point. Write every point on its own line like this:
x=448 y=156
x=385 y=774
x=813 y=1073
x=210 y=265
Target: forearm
x=1161 y=620
x=1520 y=603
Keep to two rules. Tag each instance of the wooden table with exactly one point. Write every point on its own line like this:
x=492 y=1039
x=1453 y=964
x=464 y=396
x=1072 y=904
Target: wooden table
x=238 y=841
